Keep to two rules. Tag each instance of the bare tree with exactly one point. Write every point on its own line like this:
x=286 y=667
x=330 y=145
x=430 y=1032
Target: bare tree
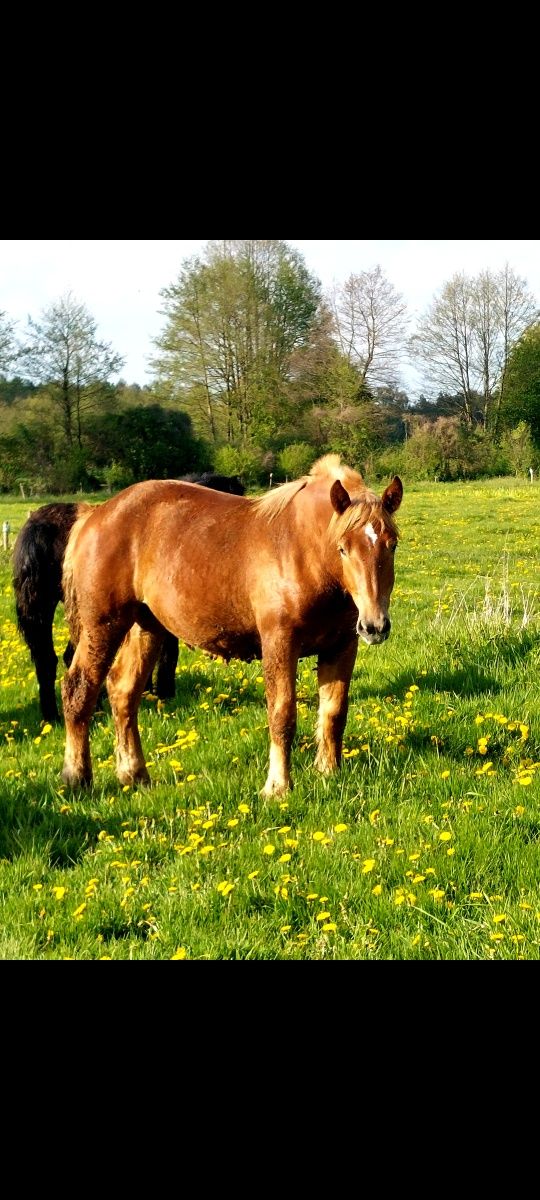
x=466 y=335
x=370 y=319
x=444 y=341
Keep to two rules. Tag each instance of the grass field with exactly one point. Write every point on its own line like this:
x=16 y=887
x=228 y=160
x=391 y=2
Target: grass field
x=426 y=845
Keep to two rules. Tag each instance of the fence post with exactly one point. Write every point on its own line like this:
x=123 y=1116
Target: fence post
x=6 y=530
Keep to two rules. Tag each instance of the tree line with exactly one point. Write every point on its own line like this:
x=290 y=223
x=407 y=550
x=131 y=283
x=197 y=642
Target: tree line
x=257 y=371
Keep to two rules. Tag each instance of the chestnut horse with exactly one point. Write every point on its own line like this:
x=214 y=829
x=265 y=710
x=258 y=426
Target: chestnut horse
x=38 y=557
x=305 y=569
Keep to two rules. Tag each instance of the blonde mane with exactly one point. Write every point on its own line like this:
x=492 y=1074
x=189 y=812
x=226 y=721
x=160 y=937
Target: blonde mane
x=329 y=467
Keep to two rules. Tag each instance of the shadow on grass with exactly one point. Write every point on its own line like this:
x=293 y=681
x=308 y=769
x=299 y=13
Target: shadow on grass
x=462 y=667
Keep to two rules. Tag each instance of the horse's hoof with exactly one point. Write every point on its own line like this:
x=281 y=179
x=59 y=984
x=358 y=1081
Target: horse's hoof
x=275 y=789
x=135 y=778
x=76 y=781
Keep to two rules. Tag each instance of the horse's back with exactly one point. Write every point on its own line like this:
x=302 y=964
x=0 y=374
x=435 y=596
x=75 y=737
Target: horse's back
x=178 y=548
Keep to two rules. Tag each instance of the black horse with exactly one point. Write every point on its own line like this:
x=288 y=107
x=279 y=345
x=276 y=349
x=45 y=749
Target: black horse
x=38 y=559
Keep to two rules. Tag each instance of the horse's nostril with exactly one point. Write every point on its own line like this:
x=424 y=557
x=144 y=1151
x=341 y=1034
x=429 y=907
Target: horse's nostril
x=386 y=625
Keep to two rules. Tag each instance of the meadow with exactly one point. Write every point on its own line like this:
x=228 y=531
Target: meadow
x=426 y=845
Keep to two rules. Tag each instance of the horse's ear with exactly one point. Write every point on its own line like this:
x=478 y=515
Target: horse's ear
x=393 y=495
x=339 y=497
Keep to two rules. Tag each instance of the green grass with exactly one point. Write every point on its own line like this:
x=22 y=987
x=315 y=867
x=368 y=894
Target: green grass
x=425 y=845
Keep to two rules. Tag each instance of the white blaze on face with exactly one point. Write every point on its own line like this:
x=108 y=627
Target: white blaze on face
x=370 y=533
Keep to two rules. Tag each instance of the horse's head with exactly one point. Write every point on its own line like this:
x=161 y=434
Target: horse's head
x=364 y=539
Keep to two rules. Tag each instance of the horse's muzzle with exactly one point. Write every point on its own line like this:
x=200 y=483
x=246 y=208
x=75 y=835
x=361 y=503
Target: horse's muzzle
x=372 y=634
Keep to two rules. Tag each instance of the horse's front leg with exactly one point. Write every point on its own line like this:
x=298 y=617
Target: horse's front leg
x=334 y=676
x=126 y=683
x=280 y=660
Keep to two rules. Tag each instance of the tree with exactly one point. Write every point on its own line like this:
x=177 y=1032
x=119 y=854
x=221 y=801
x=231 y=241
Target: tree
x=148 y=442
x=519 y=448
x=370 y=325
x=522 y=384
x=234 y=319
x=65 y=356
x=465 y=337
x=8 y=350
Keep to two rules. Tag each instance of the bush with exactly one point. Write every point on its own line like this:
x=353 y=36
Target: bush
x=296 y=459
x=117 y=476
x=247 y=462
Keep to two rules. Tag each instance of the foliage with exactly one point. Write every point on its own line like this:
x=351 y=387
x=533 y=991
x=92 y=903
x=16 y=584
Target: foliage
x=247 y=462
x=146 y=442
x=234 y=318
x=8 y=350
x=446 y=449
x=519 y=450
x=522 y=398
x=64 y=354
x=295 y=460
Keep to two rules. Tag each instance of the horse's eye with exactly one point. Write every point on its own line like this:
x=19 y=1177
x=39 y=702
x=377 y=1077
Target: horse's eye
x=342 y=551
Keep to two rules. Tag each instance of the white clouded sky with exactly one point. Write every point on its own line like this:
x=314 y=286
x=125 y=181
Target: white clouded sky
x=119 y=282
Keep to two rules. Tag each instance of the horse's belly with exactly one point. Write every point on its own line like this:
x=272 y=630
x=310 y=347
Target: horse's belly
x=209 y=634
x=228 y=645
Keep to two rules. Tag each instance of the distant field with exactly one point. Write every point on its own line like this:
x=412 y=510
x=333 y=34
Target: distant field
x=425 y=846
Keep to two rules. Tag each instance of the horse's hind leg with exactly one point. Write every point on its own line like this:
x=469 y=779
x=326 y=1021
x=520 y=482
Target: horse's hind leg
x=37 y=633
x=166 y=668
x=80 y=687
x=125 y=685
x=334 y=677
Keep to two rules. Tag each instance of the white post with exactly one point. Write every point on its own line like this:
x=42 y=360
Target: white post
x=6 y=530
x=531 y=473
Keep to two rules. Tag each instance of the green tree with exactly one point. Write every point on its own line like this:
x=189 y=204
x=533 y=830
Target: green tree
x=518 y=447
x=8 y=349
x=522 y=392
x=148 y=442
x=64 y=355
x=235 y=318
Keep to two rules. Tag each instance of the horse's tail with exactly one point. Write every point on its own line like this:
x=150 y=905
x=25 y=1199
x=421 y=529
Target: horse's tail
x=38 y=556
x=68 y=589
